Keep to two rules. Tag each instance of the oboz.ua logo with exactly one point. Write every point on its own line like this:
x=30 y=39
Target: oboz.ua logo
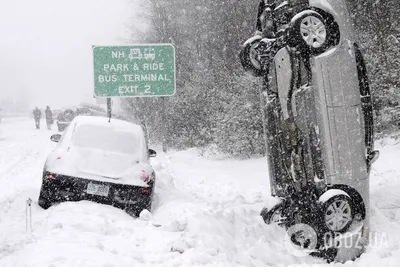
x=301 y=240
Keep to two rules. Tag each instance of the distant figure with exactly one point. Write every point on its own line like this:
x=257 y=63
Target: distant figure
x=49 y=117
x=37 y=115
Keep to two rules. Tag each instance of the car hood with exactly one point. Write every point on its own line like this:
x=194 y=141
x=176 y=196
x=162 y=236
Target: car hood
x=98 y=165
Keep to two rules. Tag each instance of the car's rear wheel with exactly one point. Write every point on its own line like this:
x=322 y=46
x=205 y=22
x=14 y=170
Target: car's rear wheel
x=338 y=213
x=137 y=208
x=44 y=200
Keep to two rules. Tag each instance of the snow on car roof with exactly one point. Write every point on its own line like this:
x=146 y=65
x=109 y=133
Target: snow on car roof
x=104 y=122
x=73 y=108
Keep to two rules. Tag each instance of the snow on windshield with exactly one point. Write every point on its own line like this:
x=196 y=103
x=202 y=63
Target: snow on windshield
x=107 y=139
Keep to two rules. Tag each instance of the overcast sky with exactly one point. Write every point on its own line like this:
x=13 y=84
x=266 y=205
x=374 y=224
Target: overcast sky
x=45 y=47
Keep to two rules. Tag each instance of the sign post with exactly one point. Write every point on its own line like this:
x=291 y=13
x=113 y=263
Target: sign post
x=134 y=71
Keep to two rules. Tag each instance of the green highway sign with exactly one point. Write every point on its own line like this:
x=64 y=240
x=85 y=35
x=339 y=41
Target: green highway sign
x=134 y=71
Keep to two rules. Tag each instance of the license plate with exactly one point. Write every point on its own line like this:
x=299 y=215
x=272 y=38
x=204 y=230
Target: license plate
x=97 y=189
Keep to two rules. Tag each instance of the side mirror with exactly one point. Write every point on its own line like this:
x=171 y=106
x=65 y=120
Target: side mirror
x=373 y=156
x=55 y=137
x=152 y=153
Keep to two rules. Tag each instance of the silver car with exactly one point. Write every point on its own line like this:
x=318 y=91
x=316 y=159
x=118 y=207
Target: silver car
x=318 y=122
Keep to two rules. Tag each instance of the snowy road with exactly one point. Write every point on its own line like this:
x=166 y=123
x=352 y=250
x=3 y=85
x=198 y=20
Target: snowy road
x=205 y=214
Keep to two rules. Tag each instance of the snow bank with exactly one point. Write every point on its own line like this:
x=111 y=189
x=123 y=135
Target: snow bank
x=205 y=213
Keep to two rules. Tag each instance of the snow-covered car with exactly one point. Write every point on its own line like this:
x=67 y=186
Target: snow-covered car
x=100 y=161
x=319 y=119
x=65 y=116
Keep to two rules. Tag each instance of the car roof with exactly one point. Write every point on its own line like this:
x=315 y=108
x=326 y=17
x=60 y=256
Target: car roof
x=105 y=122
x=73 y=108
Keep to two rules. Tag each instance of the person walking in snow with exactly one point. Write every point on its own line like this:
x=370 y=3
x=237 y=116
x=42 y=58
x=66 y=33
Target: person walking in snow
x=37 y=115
x=49 y=117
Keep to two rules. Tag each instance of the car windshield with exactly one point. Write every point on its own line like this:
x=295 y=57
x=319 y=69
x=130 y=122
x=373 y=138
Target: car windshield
x=107 y=139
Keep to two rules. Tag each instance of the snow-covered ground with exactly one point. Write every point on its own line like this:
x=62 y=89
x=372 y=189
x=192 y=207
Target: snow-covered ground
x=206 y=213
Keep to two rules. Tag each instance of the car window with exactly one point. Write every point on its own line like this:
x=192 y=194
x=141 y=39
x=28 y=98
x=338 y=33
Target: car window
x=108 y=139
x=84 y=111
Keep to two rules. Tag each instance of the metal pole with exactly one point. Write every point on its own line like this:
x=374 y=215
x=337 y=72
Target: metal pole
x=109 y=109
x=29 y=215
x=164 y=127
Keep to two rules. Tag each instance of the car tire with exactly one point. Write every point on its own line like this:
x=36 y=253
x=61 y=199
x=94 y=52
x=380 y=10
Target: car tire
x=131 y=210
x=337 y=213
x=273 y=215
x=145 y=206
x=247 y=59
x=313 y=32
x=148 y=206
x=135 y=209
x=44 y=201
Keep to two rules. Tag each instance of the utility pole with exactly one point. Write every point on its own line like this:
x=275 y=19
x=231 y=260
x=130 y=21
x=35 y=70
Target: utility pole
x=109 y=108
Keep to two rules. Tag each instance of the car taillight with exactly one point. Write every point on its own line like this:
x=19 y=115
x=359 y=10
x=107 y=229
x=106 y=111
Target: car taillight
x=145 y=190
x=145 y=177
x=51 y=176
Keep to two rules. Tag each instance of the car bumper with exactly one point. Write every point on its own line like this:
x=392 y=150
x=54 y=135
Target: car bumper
x=66 y=188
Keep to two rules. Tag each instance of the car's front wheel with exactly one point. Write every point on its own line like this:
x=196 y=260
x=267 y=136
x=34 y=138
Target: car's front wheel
x=274 y=215
x=248 y=57
x=314 y=31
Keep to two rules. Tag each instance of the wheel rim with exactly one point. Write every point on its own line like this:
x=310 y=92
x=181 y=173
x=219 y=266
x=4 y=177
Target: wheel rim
x=253 y=60
x=338 y=215
x=276 y=217
x=313 y=31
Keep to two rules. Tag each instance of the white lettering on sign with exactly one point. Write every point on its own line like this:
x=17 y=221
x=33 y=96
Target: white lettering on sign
x=108 y=78
x=162 y=77
x=145 y=77
x=153 y=66
x=117 y=54
x=147 y=89
x=115 y=67
x=132 y=89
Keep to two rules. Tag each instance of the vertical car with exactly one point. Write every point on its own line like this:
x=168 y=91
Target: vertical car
x=318 y=121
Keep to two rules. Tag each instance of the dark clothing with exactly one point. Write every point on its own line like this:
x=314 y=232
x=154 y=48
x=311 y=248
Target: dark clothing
x=37 y=114
x=49 y=117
